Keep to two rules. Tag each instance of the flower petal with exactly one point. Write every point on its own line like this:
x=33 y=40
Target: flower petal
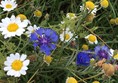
x=23 y=57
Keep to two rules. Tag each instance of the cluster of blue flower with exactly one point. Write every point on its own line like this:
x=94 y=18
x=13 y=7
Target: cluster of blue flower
x=47 y=39
x=99 y=53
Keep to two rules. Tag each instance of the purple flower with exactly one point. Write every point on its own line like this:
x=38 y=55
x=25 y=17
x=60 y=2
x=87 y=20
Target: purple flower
x=83 y=59
x=102 y=52
x=45 y=38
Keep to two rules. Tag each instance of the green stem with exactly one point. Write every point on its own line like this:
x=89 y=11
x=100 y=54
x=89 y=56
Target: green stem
x=91 y=77
x=76 y=76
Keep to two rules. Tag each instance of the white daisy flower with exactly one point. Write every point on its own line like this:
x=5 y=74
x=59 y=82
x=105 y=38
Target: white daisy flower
x=94 y=11
x=23 y=18
x=92 y=39
x=66 y=35
x=12 y=26
x=47 y=59
x=16 y=65
x=31 y=29
x=114 y=54
x=71 y=15
x=111 y=52
x=8 y=5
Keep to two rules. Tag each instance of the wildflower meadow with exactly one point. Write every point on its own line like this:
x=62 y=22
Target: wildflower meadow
x=58 y=41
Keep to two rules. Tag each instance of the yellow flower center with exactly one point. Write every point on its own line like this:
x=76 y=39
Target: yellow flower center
x=96 y=82
x=71 y=80
x=85 y=47
x=67 y=36
x=115 y=56
x=90 y=5
x=112 y=21
x=8 y=6
x=116 y=21
x=92 y=61
x=22 y=17
x=12 y=27
x=104 y=3
x=38 y=13
x=48 y=59
x=33 y=31
x=71 y=15
x=17 y=65
x=92 y=38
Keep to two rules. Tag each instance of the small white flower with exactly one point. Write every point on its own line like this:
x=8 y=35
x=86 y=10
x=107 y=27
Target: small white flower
x=47 y=59
x=71 y=15
x=114 y=54
x=62 y=22
x=31 y=29
x=111 y=52
x=94 y=10
x=66 y=35
x=82 y=8
x=16 y=65
x=8 y=5
x=12 y=26
x=92 y=39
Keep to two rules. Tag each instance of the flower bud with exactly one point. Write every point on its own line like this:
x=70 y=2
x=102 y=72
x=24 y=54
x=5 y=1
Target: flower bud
x=99 y=63
x=112 y=21
x=108 y=69
x=32 y=58
x=71 y=80
x=85 y=47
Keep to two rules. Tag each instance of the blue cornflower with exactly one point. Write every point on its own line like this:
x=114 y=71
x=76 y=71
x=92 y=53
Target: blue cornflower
x=83 y=59
x=102 y=52
x=45 y=38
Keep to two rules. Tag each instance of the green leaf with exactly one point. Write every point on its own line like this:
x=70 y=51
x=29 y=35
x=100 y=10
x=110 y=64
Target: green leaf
x=2 y=73
x=2 y=58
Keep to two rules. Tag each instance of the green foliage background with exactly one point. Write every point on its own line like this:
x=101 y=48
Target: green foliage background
x=63 y=64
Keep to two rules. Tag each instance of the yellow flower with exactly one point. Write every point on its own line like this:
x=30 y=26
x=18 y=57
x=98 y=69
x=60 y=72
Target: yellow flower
x=92 y=39
x=38 y=13
x=22 y=17
x=104 y=3
x=47 y=59
x=71 y=80
x=116 y=21
x=115 y=56
x=90 y=5
x=85 y=47
x=112 y=21
x=95 y=82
